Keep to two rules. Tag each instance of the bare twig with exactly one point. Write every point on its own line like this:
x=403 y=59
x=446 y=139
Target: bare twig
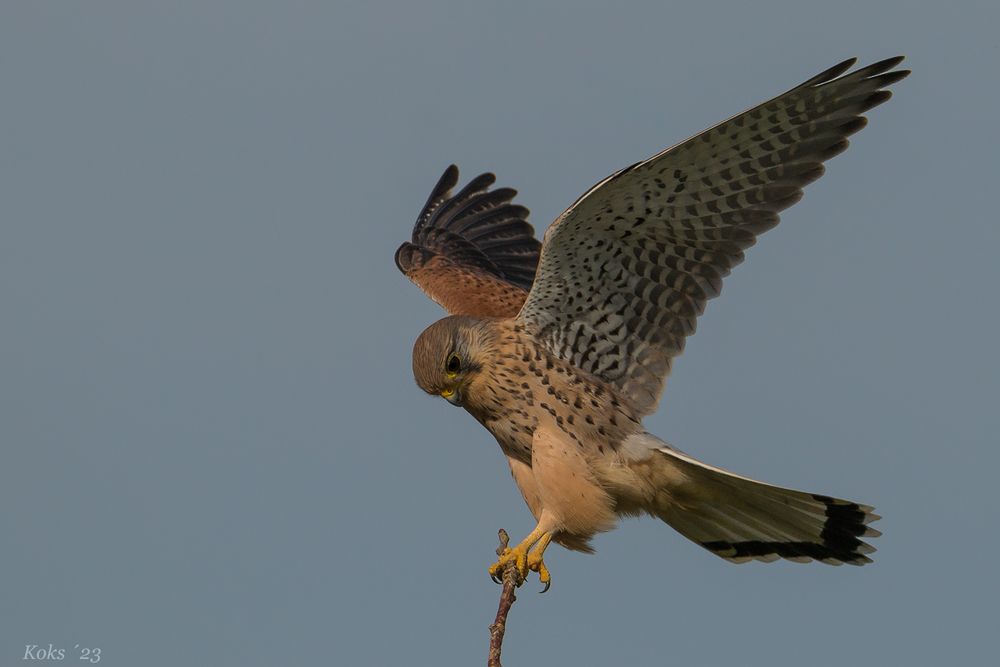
x=511 y=580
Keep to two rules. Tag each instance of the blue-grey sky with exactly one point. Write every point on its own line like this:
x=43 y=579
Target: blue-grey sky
x=213 y=451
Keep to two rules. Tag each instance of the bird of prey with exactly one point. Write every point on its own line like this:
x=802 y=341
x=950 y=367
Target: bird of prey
x=561 y=348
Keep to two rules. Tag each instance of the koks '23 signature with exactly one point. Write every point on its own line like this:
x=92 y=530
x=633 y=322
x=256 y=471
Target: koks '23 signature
x=50 y=652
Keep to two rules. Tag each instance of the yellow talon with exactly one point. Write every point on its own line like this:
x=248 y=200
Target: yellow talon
x=526 y=557
x=537 y=564
x=518 y=555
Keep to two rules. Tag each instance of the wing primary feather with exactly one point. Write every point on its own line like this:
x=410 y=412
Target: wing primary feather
x=829 y=74
x=439 y=193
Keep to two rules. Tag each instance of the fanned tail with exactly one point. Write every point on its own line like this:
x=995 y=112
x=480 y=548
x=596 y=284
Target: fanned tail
x=741 y=519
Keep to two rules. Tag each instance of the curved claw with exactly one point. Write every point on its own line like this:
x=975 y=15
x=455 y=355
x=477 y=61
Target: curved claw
x=536 y=564
x=525 y=557
x=518 y=557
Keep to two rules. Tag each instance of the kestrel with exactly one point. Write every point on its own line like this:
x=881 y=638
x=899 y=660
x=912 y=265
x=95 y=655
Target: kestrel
x=560 y=349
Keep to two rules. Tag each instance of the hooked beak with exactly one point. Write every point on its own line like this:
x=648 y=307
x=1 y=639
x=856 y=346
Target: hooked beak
x=451 y=396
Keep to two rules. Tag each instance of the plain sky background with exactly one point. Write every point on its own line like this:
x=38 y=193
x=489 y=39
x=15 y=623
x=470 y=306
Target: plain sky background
x=213 y=451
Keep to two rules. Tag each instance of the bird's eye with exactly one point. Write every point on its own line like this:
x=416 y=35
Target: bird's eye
x=453 y=365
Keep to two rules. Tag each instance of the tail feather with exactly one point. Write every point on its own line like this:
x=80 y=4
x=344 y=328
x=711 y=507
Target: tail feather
x=741 y=519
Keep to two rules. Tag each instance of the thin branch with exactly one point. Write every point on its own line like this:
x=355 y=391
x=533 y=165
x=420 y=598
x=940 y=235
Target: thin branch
x=511 y=580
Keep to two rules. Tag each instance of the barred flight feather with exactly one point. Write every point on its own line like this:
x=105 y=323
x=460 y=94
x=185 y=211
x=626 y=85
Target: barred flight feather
x=651 y=243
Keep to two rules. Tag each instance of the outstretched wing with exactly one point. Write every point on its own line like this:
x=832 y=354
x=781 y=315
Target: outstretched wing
x=474 y=253
x=627 y=269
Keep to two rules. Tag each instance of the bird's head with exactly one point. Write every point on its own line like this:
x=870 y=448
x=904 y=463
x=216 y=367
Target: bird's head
x=449 y=356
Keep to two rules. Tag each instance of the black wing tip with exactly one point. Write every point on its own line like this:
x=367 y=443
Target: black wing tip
x=892 y=77
x=882 y=72
x=868 y=71
x=480 y=183
x=886 y=64
x=440 y=192
x=448 y=180
x=831 y=73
